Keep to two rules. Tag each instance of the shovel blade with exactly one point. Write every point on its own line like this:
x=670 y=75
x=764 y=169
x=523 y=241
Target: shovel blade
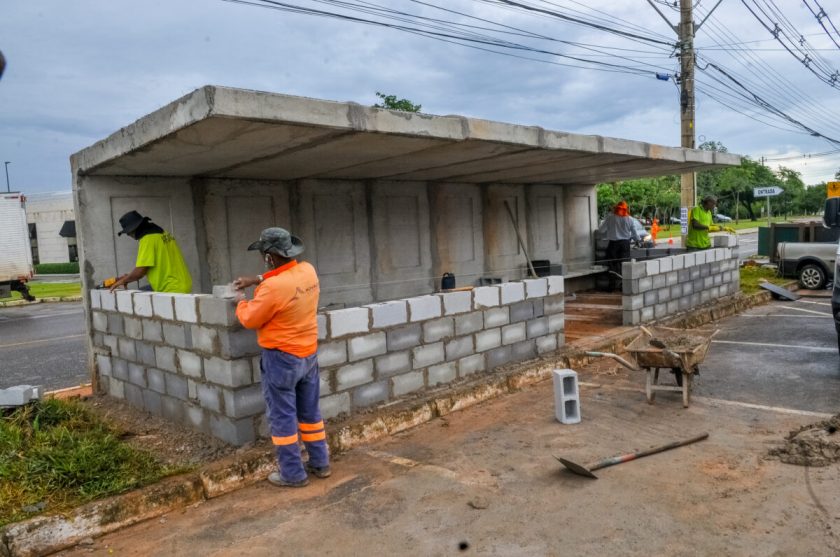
x=576 y=468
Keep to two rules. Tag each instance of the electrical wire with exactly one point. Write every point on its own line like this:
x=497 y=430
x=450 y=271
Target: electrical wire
x=819 y=17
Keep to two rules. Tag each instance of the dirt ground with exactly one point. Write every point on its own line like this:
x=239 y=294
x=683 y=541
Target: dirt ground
x=485 y=481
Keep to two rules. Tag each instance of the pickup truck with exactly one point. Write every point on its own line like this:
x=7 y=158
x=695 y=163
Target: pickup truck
x=811 y=262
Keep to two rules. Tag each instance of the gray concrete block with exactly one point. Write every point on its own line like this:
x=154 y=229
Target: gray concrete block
x=366 y=346
x=233 y=431
x=633 y=302
x=197 y=418
x=388 y=314
x=456 y=302
x=103 y=364
x=673 y=307
x=521 y=311
x=216 y=311
x=556 y=285
x=133 y=327
x=407 y=383
x=633 y=270
x=189 y=363
x=554 y=304
x=525 y=350
x=19 y=395
x=334 y=405
x=429 y=354
x=152 y=330
x=652 y=267
x=512 y=292
x=664 y=294
x=165 y=358
x=443 y=373
x=124 y=302
x=209 y=397
x=137 y=374
x=119 y=369
x=546 y=344
x=192 y=389
x=133 y=395
x=666 y=264
x=323 y=329
x=391 y=364
x=247 y=401
x=690 y=259
x=658 y=281
x=176 y=386
x=539 y=306
x=458 y=348
x=332 y=353
x=438 y=329
x=469 y=323
x=516 y=332
x=108 y=301
x=99 y=321
x=489 y=339
x=705 y=271
x=142 y=302
x=95 y=300
x=177 y=335
x=556 y=323
x=496 y=317
x=498 y=357
x=486 y=297
x=650 y=297
x=404 y=337
x=230 y=373
x=370 y=394
x=349 y=321
x=98 y=339
x=660 y=310
x=152 y=403
x=239 y=343
x=355 y=374
x=687 y=288
x=156 y=380
x=700 y=257
x=421 y=308
x=535 y=288
x=537 y=327
x=631 y=317
x=204 y=339
x=116 y=388
x=644 y=285
x=684 y=303
x=186 y=307
x=163 y=305
x=172 y=409
x=127 y=349
x=470 y=365
x=672 y=278
x=324 y=383
x=694 y=273
x=647 y=314
x=116 y=326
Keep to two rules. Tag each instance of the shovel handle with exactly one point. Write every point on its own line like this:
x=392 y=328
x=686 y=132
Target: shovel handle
x=612 y=461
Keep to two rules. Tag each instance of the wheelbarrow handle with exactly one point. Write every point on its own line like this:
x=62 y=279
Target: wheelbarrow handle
x=612 y=461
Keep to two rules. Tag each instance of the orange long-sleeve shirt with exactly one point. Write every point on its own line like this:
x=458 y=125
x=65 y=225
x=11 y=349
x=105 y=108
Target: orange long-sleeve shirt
x=284 y=309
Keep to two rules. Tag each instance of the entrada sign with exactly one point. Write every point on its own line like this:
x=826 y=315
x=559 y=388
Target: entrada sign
x=767 y=191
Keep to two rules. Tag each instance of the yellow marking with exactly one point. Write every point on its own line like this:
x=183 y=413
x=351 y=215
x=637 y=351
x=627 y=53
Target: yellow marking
x=39 y=341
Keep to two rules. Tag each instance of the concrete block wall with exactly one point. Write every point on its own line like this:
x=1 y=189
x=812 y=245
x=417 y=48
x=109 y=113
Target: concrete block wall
x=658 y=288
x=186 y=358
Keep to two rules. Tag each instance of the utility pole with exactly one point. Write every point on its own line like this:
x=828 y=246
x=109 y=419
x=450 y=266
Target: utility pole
x=685 y=33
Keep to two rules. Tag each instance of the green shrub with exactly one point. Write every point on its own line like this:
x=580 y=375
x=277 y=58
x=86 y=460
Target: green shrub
x=57 y=268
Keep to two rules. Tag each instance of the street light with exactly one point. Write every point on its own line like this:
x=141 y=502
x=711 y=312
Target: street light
x=8 y=189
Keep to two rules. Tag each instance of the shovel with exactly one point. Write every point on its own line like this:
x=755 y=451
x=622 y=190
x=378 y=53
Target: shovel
x=612 y=461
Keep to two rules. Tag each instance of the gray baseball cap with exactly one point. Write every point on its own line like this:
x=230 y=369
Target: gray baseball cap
x=278 y=240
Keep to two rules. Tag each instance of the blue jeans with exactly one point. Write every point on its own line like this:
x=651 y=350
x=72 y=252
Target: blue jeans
x=291 y=389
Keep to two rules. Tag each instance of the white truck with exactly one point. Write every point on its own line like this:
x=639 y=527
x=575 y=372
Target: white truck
x=15 y=249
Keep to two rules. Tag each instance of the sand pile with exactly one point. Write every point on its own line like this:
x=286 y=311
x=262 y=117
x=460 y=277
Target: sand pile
x=812 y=445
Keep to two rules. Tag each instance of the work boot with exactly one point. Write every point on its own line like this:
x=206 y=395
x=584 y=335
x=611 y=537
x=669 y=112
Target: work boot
x=322 y=472
x=276 y=479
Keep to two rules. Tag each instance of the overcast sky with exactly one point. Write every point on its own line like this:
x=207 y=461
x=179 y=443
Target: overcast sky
x=78 y=71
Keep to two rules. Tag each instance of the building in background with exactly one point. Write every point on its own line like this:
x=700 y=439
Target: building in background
x=52 y=227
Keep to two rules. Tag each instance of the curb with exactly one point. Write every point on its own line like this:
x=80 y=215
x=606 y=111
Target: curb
x=47 y=534
x=48 y=300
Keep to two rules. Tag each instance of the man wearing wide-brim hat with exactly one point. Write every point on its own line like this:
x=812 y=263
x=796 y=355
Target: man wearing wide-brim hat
x=284 y=313
x=159 y=258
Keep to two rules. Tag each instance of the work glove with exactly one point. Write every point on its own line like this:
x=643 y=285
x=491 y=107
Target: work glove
x=729 y=229
x=714 y=228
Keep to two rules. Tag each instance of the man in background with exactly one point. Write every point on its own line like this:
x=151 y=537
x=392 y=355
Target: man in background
x=618 y=229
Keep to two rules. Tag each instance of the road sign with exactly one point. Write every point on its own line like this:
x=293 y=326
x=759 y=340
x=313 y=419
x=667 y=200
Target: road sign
x=832 y=189
x=683 y=220
x=767 y=191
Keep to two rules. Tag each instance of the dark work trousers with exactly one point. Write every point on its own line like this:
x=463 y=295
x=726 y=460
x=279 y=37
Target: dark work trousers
x=291 y=389
x=618 y=251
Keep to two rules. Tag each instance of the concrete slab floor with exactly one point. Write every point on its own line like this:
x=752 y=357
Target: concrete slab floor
x=415 y=494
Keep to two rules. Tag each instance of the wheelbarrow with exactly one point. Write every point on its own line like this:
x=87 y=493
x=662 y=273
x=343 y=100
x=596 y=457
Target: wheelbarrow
x=681 y=350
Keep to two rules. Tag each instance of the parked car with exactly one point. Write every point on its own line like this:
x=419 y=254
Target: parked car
x=721 y=218
x=647 y=239
x=811 y=262
x=674 y=220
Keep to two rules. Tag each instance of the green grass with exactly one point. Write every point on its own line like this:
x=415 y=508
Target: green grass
x=50 y=290
x=753 y=275
x=58 y=453
x=57 y=268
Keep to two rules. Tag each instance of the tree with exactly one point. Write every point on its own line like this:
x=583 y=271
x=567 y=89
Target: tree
x=391 y=102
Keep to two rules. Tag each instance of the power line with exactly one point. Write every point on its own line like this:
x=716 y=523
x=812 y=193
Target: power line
x=819 y=17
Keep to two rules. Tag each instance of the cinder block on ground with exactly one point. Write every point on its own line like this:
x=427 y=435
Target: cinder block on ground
x=456 y=302
x=388 y=314
x=349 y=321
x=512 y=292
x=566 y=396
x=19 y=395
x=631 y=317
x=422 y=308
x=366 y=346
x=486 y=297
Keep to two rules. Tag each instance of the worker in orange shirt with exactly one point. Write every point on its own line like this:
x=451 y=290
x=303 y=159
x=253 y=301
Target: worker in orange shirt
x=283 y=311
x=654 y=229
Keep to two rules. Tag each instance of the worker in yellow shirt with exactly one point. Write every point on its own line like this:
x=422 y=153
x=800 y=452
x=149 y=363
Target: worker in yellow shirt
x=700 y=224
x=159 y=258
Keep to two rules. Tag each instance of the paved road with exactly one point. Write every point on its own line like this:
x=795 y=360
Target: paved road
x=748 y=244
x=43 y=344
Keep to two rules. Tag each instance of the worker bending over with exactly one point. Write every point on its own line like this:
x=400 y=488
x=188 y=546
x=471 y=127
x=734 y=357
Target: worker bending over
x=159 y=258
x=284 y=313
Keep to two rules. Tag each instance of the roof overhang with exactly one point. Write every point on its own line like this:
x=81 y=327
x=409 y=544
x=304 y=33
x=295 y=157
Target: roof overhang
x=233 y=133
